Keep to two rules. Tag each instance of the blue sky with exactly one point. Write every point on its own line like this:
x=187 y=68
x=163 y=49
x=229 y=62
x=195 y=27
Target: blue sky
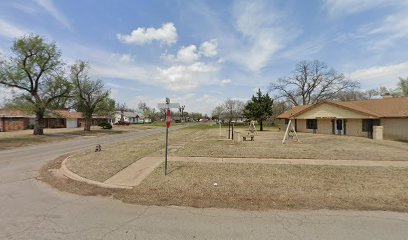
x=200 y=53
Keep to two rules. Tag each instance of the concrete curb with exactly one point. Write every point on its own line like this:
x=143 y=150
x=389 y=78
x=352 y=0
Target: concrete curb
x=71 y=175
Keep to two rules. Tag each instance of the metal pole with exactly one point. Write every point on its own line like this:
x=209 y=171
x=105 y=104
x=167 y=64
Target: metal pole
x=165 y=160
x=232 y=131
x=229 y=130
x=167 y=133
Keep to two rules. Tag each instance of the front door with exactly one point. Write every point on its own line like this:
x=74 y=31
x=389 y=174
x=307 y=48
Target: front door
x=339 y=126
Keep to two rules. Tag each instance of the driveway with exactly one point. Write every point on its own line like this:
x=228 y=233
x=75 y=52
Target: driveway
x=30 y=209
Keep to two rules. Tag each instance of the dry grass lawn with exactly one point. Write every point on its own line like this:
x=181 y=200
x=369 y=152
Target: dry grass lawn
x=314 y=146
x=100 y=166
x=250 y=186
x=258 y=187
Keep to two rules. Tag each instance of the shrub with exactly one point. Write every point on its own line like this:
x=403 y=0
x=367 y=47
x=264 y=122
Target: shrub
x=105 y=125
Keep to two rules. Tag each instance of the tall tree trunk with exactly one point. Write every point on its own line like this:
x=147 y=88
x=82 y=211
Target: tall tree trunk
x=261 y=125
x=39 y=124
x=87 y=126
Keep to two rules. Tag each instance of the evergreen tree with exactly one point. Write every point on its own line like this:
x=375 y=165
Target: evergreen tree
x=259 y=108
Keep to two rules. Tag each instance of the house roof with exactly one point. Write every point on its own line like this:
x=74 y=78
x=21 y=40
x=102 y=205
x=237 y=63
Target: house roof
x=379 y=108
x=51 y=114
x=68 y=114
x=5 y=112
x=294 y=111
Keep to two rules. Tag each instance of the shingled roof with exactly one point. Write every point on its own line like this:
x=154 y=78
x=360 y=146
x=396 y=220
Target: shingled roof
x=379 y=108
x=68 y=114
x=5 y=112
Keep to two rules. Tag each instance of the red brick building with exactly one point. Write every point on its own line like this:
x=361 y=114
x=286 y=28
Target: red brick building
x=14 y=120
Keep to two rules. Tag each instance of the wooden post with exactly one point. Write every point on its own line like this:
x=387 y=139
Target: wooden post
x=286 y=132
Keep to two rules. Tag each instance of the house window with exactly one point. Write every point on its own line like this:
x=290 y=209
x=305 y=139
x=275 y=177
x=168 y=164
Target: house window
x=286 y=121
x=369 y=123
x=311 y=123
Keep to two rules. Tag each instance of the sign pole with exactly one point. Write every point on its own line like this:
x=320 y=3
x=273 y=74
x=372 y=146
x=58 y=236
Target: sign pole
x=168 y=121
x=165 y=160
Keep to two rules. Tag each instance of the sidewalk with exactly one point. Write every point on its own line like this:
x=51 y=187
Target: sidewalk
x=366 y=163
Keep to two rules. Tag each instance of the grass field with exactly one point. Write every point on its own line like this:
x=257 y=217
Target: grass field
x=100 y=166
x=252 y=186
x=256 y=186
x=268 y=144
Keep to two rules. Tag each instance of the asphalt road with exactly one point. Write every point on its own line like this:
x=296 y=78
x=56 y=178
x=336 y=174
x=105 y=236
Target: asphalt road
x=30 y=209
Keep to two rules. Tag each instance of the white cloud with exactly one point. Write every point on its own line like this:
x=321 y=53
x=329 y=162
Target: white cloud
x=192 y=53
x=304 y=50
x=187 y=54
x=380 y=75
x=166 y=34
x=24 y=7
x=264 y=30
x=126 y=58
x=393 y=28
x=380 y=33
x=225 y=82
x=350 y=6
x=209 y=48
x=48 y=5
x=335 y=7
x=178 y=77
x=10 y=30
x=346 y=7
x=187 y=77
x=105 y=64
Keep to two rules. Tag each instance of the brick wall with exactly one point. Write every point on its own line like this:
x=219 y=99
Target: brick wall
x=13 y=123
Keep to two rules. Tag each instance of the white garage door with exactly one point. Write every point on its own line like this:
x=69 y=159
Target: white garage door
x=72 y=123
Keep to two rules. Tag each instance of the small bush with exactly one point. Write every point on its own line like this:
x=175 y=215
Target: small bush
x=105 y=125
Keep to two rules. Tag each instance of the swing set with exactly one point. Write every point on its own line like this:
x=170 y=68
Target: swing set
x=290 y=133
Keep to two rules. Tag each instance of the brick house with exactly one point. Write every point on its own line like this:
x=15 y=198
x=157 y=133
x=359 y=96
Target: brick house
x=13 y=120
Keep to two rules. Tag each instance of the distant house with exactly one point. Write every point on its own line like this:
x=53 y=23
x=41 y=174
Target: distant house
x=70 y=119
x=14 y=120
x=130 y=117
x=354 y=118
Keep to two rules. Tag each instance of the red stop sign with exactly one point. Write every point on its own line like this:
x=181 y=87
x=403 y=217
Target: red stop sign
x=168 y=118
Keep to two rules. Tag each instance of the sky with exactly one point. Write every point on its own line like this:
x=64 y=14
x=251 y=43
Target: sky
x=201 y=53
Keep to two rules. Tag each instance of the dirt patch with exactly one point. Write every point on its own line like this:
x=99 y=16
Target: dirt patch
x=258 y=187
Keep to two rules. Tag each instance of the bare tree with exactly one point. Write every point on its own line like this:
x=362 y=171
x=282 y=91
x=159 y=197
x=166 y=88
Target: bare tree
x=233 y=109
x=403 y=86
x=278 y=108
x=217 y=112
x=142 y=106
x=354 y=94
x=311 y=82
